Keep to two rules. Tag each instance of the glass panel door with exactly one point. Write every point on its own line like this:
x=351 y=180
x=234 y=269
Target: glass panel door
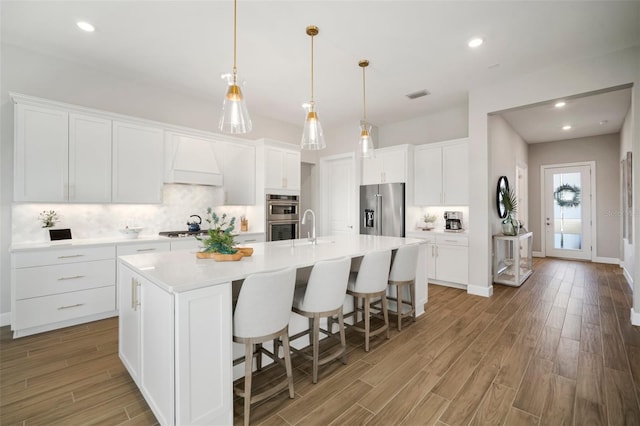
x=568 y=212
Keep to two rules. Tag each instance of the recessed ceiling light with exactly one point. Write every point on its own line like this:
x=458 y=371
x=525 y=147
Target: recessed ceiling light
x=475 y=42
x=566 y=127
x=418 y=94
x=603 y=122
x=560 y=104
x=85 y=26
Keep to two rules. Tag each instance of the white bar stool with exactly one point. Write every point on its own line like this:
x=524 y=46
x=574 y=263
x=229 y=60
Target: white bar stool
x=403 y=275
x=369 y=283
x=323 y=297
x=262 y=314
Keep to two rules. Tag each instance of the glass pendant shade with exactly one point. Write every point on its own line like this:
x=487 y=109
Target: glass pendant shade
x=312 y=136
x=365 y=145
x=235 y=117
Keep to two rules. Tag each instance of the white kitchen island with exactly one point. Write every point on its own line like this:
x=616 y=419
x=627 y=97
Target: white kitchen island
x=175 y=310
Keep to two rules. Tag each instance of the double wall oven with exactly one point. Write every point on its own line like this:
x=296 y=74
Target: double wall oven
x=283 y=217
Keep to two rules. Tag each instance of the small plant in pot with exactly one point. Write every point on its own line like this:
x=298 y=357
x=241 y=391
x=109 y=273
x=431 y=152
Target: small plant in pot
x=219 y=243
x=48 y=218
x=429 y=221
x=510 y=225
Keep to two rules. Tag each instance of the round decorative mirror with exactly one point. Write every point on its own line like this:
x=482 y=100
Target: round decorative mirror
x=503 y=185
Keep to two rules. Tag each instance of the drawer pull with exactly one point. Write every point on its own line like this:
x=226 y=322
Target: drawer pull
x=70 y=256
x=70 y=278
x=451 y=241
x=146 y=249
x=250 y=241
x=70 y=306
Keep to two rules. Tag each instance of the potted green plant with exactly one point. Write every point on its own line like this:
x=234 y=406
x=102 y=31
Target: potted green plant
x=510 y=225
x=219 y=242
x=429 y=220
x=48 y=218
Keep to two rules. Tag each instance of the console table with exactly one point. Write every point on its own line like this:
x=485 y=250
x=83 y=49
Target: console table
x=512 y=258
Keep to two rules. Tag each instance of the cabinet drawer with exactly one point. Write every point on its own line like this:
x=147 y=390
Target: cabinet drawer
x=142 y=248
x=57 y=256
x=452 y=240
x=62 y=307
x=55 y=279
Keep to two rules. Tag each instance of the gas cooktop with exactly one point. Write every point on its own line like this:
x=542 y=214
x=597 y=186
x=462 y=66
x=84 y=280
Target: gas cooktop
x=182 y=234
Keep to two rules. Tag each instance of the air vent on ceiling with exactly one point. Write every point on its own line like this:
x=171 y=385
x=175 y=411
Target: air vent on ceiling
x=418 y=94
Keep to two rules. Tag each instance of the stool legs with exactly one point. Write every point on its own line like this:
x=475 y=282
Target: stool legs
x=343 y=339
x=287 y=363
x=248 y=364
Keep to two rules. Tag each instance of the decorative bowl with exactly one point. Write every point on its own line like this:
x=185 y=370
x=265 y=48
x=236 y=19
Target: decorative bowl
x=219 y=257
x=246 y=251
x=131 y=233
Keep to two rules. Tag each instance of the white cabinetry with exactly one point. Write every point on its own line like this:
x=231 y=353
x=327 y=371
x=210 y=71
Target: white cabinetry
x=137 y=163
x=41 y=154
x=282 y=169
x=388 y=166
x=54 y=288
x=238 y=162
x=89 y=159
x=167 y=343
x=190 y=159
x=447 y=258
x=146 y=344
x=441 y=174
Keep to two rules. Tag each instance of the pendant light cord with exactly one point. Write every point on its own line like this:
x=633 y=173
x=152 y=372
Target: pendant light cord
x=364 y=96
x=235 y=70
x=312 y=70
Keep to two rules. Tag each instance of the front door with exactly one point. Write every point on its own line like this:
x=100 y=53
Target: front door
x=567 y=212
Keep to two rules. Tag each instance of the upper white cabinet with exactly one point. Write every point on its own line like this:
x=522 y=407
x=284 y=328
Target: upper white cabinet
x=137 y=163
x=238 y=163
x=41 y=162
x=89 y=159
x=282 y=169
x=388 y=166
x=442 y=174
x=190 y=159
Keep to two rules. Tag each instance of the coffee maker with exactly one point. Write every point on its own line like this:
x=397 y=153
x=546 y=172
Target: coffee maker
x=453 y=221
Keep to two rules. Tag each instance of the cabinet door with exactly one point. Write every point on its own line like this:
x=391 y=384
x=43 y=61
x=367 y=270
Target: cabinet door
x=372 y=171
x=291 y=170
x=156 y=351
x=428 y=176
x=129 y=320
x=239 y=173
x=431 y=261
x=137 y=164
x=41 y=154
x=394 y=166
x=89 y=159
x=452 y=264
x=455 y=170
x=274 y=168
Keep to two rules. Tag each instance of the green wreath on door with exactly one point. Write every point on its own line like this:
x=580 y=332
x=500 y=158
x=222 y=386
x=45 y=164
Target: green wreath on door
x=567 y=195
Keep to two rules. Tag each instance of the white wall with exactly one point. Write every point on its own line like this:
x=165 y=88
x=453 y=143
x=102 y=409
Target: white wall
x=627 y=256
x=52 y=78
x=610 y=70
x=508 y=149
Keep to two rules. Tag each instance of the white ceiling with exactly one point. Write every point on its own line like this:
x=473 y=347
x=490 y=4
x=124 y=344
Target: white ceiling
x=412 y=45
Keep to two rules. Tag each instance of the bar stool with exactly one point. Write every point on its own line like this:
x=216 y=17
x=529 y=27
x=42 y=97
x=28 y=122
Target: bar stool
x=370 y=283
x=262 y=314
x=323 y=297
x=403 y=275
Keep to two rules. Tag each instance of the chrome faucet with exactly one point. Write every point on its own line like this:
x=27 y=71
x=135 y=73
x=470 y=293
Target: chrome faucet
x=312 y=238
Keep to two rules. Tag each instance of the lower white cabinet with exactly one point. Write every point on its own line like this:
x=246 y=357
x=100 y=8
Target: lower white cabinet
x=167 y=342
x=447 y=259
x=55 y=288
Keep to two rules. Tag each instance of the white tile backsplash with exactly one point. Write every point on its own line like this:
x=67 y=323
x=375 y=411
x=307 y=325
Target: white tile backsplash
x=105 y=220
x=415 y=215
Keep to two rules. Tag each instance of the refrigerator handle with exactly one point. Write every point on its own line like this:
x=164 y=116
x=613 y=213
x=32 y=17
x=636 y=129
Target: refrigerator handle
x=379 y=209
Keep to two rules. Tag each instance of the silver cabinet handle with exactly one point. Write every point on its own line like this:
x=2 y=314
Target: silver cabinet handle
x=146 y=249
x=70 y=256
x=70 y=306
x=70 y=278
x=134 y=294
x=451 y=241
x=250 y=241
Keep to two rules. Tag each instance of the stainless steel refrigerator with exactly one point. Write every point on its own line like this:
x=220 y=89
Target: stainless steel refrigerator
x=382 y=209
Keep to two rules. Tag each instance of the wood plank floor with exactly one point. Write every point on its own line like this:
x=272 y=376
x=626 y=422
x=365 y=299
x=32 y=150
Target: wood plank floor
x=560 y=350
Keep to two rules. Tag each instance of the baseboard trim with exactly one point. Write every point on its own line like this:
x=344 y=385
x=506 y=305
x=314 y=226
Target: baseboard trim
x=609 y=260
x=627 y=277
x=635 y=317
x=478 y=290
x=5 y=319
x=537 y=254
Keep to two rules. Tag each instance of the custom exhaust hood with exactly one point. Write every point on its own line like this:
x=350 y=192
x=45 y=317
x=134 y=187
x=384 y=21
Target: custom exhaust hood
x=190 y=160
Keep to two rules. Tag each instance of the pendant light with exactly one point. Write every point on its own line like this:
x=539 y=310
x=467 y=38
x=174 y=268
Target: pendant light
x=365 y=145
x=312 y=137
x=235 y=115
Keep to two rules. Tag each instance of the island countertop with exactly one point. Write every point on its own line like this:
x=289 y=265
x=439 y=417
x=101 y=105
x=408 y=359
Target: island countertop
x=181 y=271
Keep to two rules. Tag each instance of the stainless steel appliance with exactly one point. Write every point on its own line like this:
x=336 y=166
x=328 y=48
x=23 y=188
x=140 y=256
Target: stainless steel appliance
x=382 y=209
x=283 y=217
x=453 y=221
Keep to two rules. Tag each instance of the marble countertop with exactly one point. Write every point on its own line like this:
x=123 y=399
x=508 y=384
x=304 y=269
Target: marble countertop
x=90 y=242
x=181 y=271
x=418 y=233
